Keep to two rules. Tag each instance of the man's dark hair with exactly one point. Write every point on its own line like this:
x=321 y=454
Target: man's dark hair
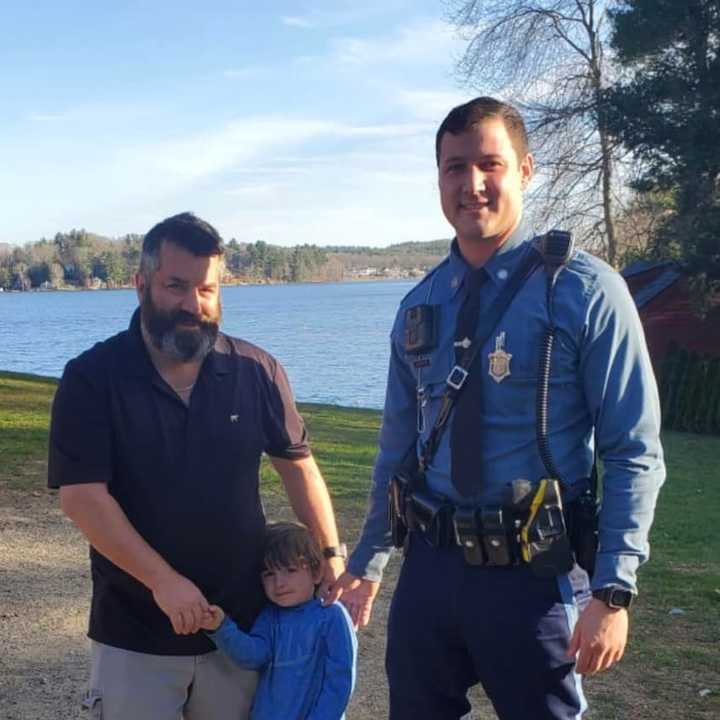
x=184 y=230
x=465 y=117
x=291 y=544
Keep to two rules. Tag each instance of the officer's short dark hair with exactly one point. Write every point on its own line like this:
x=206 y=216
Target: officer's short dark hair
x=465 y=117
x=185 y=230
x=291 y=544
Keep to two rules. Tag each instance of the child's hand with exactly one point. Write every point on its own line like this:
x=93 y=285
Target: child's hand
x=212 y=619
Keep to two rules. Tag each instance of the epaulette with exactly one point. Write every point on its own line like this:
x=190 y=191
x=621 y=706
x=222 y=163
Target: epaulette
x=427 y=277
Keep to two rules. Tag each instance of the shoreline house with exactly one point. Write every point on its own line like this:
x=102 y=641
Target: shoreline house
x=662 y=297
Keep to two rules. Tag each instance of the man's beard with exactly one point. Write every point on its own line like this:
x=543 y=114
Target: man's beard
x=181 y=343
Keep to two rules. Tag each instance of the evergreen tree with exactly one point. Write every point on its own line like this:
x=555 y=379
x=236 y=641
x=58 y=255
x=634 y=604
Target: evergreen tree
x=667 y=111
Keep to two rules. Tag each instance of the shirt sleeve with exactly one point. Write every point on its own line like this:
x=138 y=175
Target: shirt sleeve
x=339 y=672
x=397 y=434
x=622 y=395
x=285 y=432
x=252 y=650
x=80 y=447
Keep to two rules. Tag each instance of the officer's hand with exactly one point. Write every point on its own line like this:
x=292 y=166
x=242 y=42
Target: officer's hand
x=599 y=638
x=181 y=600
x=357 y=595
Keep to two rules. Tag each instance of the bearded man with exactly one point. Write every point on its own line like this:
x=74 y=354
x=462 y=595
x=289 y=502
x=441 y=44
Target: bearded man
x=155 y=443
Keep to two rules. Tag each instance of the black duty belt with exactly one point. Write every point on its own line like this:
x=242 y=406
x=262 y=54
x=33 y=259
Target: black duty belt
x=488 y=535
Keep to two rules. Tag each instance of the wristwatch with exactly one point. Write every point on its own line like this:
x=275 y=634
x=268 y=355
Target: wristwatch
x=614 y=596
x=336 y=551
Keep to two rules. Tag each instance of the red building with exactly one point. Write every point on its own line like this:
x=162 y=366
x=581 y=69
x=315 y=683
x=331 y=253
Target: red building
x=660 y=291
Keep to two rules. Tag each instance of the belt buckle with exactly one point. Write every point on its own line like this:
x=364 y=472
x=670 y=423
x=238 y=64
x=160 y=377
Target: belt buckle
x=456 y=378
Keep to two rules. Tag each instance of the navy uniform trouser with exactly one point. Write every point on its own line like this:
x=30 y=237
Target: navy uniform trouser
x=453 y=625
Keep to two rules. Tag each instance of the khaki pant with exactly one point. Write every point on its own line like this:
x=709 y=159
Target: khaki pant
x=129 y=685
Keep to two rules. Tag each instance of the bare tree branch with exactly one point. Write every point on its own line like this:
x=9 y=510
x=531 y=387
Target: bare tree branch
x=549 y=58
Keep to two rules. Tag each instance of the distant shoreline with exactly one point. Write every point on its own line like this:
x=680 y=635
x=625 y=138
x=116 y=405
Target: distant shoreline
x=244 y=283
x=309 y=404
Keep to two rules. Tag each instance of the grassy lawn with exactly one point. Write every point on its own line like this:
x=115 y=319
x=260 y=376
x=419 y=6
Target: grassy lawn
x=675 y=647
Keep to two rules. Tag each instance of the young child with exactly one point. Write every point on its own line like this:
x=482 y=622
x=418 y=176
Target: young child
x=305 y=652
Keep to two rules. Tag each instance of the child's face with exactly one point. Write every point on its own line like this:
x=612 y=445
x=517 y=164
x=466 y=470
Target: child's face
x=289 y=586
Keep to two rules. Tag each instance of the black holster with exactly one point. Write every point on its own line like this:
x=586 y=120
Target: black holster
x=582 y=522
x=398 y=498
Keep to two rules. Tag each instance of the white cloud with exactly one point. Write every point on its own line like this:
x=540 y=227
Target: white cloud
x=183 y=161
x=294 y=21
x=430 y=41
x=235 y=73
x=256 y=190
x=272 y=169
x=46 y=117
x=431 y=105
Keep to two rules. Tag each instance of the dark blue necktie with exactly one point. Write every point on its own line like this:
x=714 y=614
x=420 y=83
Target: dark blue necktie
x=465 y=429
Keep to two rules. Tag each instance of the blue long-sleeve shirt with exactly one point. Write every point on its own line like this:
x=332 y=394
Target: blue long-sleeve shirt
x=602 y=391
x=306 y=658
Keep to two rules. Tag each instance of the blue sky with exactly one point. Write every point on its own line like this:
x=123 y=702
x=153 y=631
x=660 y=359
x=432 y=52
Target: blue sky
x=289 y=122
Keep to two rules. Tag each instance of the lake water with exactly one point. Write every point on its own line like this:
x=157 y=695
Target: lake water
x=333 y=339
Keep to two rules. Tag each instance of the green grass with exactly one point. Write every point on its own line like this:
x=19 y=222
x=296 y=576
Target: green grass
x=24 y=417
x=670 y=658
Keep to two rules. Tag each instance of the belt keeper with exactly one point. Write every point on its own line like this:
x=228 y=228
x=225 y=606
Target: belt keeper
x=494 y=537
x=467 y=536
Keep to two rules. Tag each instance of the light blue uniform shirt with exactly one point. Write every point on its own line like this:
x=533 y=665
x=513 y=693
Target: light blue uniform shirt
x=601 y=380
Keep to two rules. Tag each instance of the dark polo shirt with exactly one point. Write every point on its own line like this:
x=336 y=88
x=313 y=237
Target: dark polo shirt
x=186 y=477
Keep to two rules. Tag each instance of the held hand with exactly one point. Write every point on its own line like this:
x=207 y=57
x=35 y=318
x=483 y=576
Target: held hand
x=213 y=618
x=600 y=637
x=357 y=595
x=334 y=568
x=183 y=603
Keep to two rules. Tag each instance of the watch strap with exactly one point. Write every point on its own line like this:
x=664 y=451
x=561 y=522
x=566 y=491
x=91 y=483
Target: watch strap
x=336 y=551
x=614 y=596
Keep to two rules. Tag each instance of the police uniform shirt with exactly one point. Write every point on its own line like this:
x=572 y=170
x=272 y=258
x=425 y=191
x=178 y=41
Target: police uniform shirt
x=600 y=376
x=185 y=476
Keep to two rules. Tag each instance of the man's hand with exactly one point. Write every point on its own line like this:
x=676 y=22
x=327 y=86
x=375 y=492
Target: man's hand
x=182 y=601
x=333 y=569
x=357 y=595
x=212 y=619
x=600 y=637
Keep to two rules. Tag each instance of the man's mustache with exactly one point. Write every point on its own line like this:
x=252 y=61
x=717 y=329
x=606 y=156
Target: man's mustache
x=186 y=318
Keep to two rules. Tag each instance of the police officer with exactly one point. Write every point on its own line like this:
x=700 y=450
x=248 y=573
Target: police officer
x=454 y=622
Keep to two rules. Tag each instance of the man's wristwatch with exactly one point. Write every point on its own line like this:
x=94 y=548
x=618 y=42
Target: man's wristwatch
x=336 y=551
x=614 y=596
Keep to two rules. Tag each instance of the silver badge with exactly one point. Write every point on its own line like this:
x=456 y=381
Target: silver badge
x=499 y=360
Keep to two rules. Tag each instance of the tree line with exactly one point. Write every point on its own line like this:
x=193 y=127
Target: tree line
x=81 y=259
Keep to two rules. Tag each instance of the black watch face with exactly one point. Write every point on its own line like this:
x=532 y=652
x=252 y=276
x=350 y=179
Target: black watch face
x=620 y=598
x=614 y=597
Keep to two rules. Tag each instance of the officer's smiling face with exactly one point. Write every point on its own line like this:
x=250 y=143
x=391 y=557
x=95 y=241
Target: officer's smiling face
x=481 y=183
